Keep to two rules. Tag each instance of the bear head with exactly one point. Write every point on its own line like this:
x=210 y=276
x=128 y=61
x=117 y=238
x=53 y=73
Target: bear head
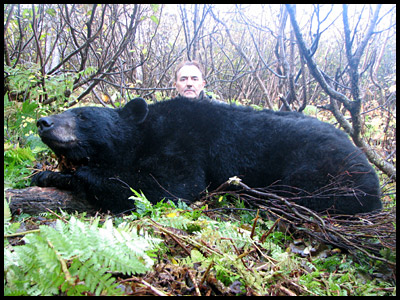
x=92 y=134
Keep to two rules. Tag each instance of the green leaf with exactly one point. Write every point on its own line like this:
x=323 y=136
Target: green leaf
x=51 y=12
x=155 y=7
x=154 y=19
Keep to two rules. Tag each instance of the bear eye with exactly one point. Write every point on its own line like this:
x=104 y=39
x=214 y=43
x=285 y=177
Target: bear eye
x=82 y=117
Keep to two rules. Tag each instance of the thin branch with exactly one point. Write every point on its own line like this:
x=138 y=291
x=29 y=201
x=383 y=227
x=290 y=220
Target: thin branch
x=354 y=129
x=246 y=58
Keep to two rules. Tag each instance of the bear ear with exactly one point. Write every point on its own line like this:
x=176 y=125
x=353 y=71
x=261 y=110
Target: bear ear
x=135 y=109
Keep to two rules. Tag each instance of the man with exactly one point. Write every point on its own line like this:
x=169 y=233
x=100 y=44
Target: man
x=189 y=79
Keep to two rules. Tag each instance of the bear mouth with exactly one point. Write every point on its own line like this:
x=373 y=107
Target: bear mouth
x=58 y=143
x=66 y=152
x=68 y=165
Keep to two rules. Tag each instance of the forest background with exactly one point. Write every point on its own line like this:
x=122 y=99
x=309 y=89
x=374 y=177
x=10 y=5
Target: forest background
x=317 y=58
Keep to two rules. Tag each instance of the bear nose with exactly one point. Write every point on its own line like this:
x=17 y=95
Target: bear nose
x=44 y=123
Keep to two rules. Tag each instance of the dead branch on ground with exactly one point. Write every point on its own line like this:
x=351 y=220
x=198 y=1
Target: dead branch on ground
x=373 y=234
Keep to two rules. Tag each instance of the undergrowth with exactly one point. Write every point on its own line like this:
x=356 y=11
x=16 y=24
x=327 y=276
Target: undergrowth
x=173 y=249
x=75 y=257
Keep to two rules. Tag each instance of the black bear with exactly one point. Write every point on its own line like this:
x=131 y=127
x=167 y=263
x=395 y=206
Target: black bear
x=180 y=147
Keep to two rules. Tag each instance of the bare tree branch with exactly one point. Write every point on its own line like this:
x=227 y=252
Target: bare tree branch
x=247 y=59
x=353 y=106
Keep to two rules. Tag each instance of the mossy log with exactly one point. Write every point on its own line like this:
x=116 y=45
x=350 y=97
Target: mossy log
x=35 y=200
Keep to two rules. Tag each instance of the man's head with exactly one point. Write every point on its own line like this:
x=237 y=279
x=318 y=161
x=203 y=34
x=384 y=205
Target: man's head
x=189 y=79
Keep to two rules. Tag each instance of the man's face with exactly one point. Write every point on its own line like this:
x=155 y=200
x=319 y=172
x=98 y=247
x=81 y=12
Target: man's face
x=190 y=82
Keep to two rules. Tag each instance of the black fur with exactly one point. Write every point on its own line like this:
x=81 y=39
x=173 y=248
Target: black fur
x=181 y=147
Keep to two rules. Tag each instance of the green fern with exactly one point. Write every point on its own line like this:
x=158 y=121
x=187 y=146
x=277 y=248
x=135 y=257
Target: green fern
x=178 y=222
x=76 y=258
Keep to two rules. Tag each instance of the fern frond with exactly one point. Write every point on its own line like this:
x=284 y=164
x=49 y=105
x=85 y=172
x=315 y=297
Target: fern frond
x=178 y=222
x=75 y=258
x=96 y=279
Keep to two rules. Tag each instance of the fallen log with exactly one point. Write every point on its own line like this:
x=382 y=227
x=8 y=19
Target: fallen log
x=35 y=200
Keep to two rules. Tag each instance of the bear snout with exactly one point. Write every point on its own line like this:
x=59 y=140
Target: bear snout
x=57 y=130
x=44 y=123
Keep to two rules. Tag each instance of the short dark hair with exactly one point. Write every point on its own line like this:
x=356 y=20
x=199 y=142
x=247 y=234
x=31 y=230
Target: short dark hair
x=189 y=63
